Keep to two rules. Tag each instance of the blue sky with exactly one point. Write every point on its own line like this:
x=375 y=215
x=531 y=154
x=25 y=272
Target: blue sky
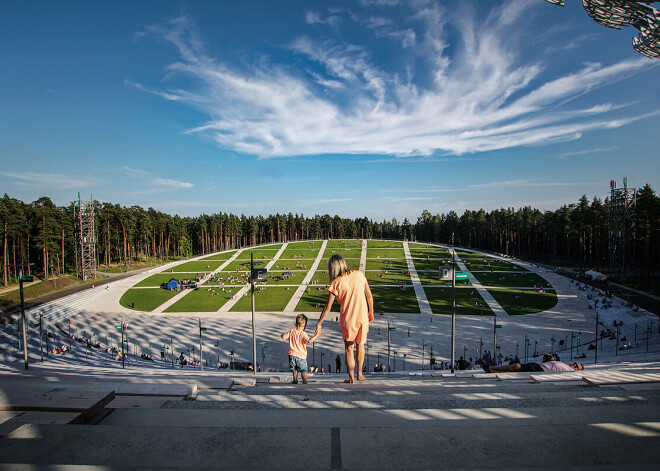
x=377 y=108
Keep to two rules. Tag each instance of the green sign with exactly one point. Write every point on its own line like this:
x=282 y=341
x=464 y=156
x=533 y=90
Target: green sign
x=392 y=329
x=462 y=275
x=202 y=329
x=118 y=326
x=27 y=278
x=498 y=326
x=370 y=346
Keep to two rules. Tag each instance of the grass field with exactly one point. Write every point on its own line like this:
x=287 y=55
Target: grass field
x=344 y=244
x=314 y=300
x=517 y=302
x=384 y=244
x=389 y=278
x=311 y=244
x=202 y=300
x=387 y=265
x=197 y=267
x=268 y=299
x=386 y=254
x=243 y=265
x=278 y=277
x=501 y=277
x=468 y=301
x=154 y=281
x=221 y=256
x=146 y=299
x=345 y=253
x=299 y=254
x=258 y=254
x=395 y=300
x=523 y=280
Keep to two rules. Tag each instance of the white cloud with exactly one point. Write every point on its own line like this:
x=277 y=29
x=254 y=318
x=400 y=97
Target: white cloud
x=154 y=184
x=482 y=97
x=51 y=180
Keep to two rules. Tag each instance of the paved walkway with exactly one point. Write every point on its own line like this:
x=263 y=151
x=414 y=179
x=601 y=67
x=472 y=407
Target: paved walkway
x=229 y=304
x=424 y=305
x=295 y=299
x=363 y=257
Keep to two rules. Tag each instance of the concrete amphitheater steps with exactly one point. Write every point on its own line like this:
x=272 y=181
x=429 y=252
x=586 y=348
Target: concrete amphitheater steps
x=388 y=422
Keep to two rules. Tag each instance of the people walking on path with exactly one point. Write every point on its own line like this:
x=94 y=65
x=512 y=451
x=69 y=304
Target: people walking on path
x=351 y=289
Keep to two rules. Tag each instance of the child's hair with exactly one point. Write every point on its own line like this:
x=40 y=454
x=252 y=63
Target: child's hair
x=337 y=267
x=301 y=319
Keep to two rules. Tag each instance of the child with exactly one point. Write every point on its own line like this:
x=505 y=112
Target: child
x=298 y=341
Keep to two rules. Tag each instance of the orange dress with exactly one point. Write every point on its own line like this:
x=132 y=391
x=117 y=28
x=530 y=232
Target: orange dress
x=351 y=293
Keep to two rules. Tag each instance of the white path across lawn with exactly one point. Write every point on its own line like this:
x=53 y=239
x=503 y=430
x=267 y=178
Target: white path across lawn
x=184 y=292
x=422 y=300
x=485 y=294
x=363 y=257
x=234 y=299
x=295 y=299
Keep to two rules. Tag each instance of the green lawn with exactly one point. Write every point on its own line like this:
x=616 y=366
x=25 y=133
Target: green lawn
x=308 y=244
x=315 y=299
x=197 y=267
x=258 y=254
x=384 y=244
x=267 y=299
x=277 y=278
x=160 y=278
x=204 y=299
x=146 y=299
x=517 y=302
x=221 y=256
x=395 y=300
x=299 y=254
x=345 y=253
x=389 y=278
x=399 y=264
x=386 y=254
x=344 y=244
x=490 y=264
x=468 y=301
x=244 y=265
x=524 y=280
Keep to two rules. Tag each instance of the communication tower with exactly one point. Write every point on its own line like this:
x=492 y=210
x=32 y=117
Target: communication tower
x=85 y=238
x=622 y=206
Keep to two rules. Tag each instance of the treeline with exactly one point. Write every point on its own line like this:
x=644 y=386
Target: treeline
x=577 y=234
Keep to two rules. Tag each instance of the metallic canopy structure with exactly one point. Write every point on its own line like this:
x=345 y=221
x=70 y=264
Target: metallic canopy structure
x=618 y=13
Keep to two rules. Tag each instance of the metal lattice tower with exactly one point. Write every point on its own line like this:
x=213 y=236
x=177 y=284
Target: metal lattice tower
x=622 y=205
x=85 y=238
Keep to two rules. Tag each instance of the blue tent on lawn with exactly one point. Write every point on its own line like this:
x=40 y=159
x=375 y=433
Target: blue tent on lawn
x=172 y=284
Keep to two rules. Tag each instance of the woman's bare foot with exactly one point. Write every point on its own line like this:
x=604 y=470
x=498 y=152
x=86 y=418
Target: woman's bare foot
x=361 y=378
x=349 y=381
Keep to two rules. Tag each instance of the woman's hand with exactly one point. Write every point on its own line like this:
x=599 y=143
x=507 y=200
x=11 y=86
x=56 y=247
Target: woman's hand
x=318 y=329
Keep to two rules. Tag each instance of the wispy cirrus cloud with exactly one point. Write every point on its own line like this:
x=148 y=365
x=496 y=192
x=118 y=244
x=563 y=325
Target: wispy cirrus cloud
x=154 y=184
x=482 y=97
x=50 y=180
x=530 y=183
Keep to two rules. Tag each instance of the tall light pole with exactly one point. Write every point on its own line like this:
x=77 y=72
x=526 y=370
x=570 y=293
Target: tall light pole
x=201 y=356
x=453 y=302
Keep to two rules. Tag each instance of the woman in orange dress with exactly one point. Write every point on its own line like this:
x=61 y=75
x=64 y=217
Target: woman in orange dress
x=351 y=289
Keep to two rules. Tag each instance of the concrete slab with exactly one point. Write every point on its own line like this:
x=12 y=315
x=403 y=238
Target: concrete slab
x=39 y=417
x=55 y=399
x=621 y=378
x=141 y=402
